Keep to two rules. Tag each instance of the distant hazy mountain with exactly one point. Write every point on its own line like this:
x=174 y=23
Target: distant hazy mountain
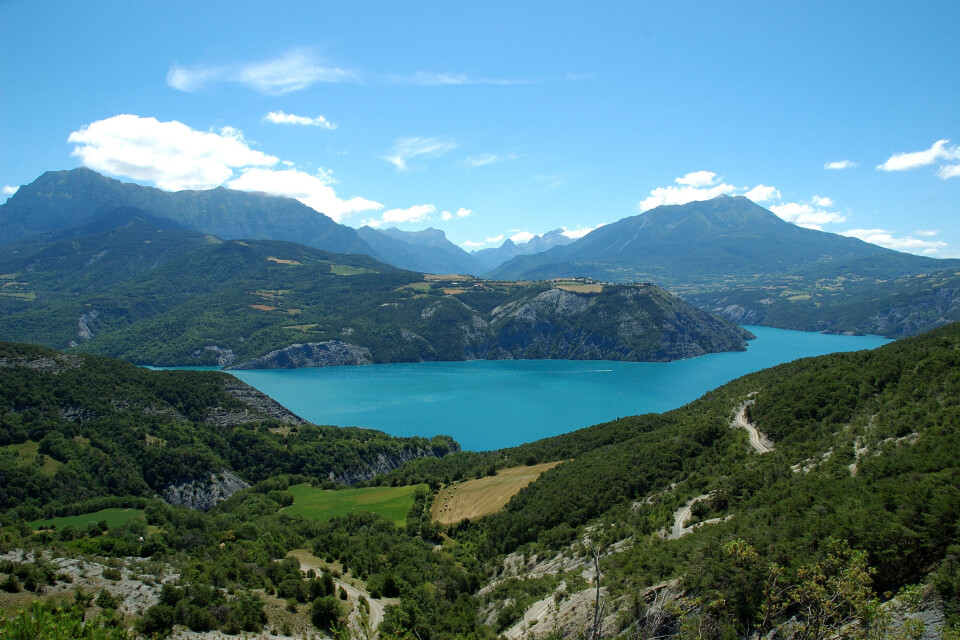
x=427 y=251
x=61 y=199
x=494 y=257
x=701 y=243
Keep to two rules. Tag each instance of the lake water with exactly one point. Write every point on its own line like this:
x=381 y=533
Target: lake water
x=501 y=403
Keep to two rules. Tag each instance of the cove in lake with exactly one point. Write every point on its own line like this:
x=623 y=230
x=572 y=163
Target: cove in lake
x=490 y=404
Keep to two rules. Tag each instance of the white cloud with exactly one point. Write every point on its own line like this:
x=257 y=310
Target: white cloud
x=488 y=158
x=170 y=154
x=840 y=164
x=579 y=232
x=312 y=190
x=703 y=185
x=762 y=193
x=293 y=71
x=914 y=159
x=8 y=190
x=697 y=185
x=522 y=236
x=697 y=179
x=473 y=244
x=949 y=171
x=416 y=213
x=926 y=233
x=279 y=117
x=887 y=239
x=409 y=147
x=493 y=239
x=808 y=214
x=461 y=213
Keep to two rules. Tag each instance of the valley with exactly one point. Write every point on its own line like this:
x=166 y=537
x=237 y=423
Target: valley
x=609 y=488
x=200 y=504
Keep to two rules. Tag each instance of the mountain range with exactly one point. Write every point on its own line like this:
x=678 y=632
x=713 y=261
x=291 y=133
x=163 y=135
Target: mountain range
x=728 y=255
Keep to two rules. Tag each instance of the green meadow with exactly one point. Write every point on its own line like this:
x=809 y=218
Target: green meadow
x=319 y=504
x=113 y=518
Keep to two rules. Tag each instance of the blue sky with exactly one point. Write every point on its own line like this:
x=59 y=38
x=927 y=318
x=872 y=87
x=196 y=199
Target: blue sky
x=493 y=120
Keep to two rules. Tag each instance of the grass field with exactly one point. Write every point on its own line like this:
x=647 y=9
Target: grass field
x=483 y=496
x=114 y=518
x=26 y=454
x=318 y=504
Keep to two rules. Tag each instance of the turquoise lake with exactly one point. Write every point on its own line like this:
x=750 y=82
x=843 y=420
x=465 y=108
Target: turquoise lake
x=492 y=404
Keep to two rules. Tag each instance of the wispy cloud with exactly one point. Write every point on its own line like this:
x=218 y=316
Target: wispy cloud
x=551 y=181
x=279 y=117
x=299 y=69
x=485 y=159
x=433 y=79
x=295 y=70
x=840 y=164
x=473 y=244
x=170 y=154
x=939 y=151
x=409 y=147
x=416 y=213
x=887 y=239
x=949 y=171
x=9 y=190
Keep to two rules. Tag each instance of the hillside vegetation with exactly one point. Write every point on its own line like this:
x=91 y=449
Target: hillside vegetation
x=80 y=428
x=858 y=500
x=196 y=300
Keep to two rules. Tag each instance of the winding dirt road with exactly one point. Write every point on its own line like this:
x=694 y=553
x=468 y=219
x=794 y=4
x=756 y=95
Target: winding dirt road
x=759 y=442
x=681 y=516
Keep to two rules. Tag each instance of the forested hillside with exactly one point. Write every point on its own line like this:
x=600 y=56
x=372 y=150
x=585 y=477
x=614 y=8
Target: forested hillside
x=80 y=428
x=854 y=499
x=135 y=287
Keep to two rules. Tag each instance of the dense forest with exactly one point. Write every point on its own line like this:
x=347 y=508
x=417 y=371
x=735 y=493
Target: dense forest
x=857 y=502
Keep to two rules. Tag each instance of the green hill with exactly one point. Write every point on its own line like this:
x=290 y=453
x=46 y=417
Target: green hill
x=151 y=294
x=856 y=499
x=78 y=428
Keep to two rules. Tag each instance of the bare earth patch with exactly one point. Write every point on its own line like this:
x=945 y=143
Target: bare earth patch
x=483 y=496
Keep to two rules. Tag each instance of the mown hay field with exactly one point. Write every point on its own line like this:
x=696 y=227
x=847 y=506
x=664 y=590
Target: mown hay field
x=483 y=496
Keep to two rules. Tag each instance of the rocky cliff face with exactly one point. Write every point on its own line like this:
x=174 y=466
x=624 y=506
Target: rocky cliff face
x=384 y=463
x=203 y=493
x=605 y=322
x=312 y=354
x=260 y=405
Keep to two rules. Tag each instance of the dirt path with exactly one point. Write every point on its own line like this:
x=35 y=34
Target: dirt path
x=759 y=442
x=309 y=561
x=681 y=516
